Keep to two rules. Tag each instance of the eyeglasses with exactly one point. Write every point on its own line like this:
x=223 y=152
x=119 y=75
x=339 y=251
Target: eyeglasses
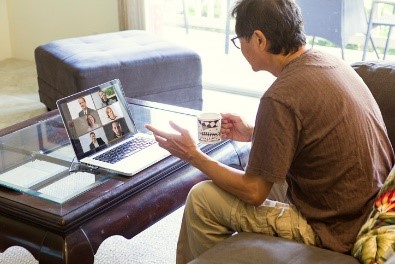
x=236 y=41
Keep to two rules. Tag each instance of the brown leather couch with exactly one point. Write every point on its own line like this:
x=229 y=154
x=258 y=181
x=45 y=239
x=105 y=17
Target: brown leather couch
x=256 y=248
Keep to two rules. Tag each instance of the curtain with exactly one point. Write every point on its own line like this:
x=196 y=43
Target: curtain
x=131 y=14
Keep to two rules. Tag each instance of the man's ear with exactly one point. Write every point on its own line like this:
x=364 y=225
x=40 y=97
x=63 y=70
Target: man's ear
x=260 y=39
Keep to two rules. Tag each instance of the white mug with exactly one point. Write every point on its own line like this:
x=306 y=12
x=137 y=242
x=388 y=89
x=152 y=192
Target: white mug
x=209 y=128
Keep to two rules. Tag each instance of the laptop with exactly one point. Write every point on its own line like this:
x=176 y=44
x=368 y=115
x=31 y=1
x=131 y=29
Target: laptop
x=102 y=131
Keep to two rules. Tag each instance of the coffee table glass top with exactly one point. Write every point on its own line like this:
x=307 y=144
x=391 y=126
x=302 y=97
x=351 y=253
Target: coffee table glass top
x=39 y=159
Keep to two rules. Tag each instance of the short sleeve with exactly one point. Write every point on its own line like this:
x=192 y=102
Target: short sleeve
x=275 y=139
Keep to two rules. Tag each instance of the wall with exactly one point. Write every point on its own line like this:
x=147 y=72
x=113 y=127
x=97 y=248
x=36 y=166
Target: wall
x=5 y=44
x=32 y=23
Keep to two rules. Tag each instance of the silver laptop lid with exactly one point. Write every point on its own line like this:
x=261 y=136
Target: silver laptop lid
x=100 y=112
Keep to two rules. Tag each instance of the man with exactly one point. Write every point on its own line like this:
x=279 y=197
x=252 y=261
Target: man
x=105 y=100
x=317 y=128
x=117 y=129
x=95 y=142
x=84 y=108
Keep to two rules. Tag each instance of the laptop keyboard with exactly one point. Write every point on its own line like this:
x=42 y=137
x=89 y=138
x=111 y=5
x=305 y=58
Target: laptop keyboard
x=125 y=150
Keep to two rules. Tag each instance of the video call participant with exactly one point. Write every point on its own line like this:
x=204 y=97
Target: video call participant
x=96 y=142
x=84 y=109
x=117 y=129
x=105 y=100
x=110 y=113
x=91 y=121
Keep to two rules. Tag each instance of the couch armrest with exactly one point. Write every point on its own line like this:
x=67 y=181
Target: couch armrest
x=257 y=248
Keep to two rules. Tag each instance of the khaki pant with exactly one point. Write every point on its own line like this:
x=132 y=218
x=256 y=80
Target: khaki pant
x=212 y=215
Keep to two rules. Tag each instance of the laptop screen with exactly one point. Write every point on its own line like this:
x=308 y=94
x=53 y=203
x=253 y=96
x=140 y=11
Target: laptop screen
x=96 y=118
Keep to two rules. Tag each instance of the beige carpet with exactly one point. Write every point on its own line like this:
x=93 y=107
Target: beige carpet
x=18 y=92
x=19 y=101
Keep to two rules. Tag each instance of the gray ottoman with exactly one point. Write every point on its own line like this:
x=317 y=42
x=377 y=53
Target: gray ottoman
x=148 y=67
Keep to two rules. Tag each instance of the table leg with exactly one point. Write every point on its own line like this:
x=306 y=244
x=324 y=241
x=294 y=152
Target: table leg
x=45 y=246
x=75 y=248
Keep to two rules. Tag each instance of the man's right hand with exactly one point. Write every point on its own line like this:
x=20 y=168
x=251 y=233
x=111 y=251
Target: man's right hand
x=236 y=128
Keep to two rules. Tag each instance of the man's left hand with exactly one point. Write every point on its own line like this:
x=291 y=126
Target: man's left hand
x=181 y=144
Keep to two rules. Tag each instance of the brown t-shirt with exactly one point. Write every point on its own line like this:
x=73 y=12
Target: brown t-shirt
x=319 y=128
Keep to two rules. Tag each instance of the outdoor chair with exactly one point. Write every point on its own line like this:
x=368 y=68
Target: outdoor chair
x=381 y=18
x=333 y=20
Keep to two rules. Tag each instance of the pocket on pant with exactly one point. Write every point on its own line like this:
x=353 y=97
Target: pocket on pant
x=262 y=219
x=280 y=219
x=252 y=219
x=275 y=219
x=294 y=226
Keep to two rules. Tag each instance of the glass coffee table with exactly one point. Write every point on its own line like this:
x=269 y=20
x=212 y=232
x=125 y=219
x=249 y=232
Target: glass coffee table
x=61 y=212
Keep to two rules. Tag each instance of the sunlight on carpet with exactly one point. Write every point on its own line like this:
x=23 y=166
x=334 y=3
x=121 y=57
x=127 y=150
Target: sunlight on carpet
x=17 y=109
x=18 y=92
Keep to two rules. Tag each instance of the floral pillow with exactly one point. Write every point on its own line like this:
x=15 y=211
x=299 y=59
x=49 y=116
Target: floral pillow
x=376 y=240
